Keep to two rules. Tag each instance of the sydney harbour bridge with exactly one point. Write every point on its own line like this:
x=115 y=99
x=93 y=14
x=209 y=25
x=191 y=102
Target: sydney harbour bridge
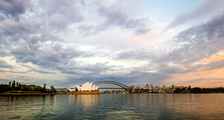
x=104 y=85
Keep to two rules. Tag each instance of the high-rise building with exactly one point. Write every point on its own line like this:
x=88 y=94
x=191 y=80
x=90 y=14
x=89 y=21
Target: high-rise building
x=14 y=84
x=164 y=87
x=132 y=89
x=173 y=86
x=151 y=86
x=147 y=86
x=160 y=87
x=44 y=86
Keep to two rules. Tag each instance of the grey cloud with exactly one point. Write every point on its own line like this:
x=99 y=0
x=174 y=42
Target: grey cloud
x=214 y=65
x=205 y=8
x=143 y=77
x=33 y=41
x=59 y=14
x=88 y=29
x=87 y=69
x=2 y=17
x=204 y=80
x=36 y=70
x=41 y=71
x=198 y=42
x=28 y=44
x=115 y=16
x=23 y=50
x=36 y=41
x=4 y=71
x=140 y=54
x=3 y=64
x=142 y=31
x=190 y=46
x=14 y=8
x=48 y=57
x=12 y=28
x=57 y=46
x=169 y=70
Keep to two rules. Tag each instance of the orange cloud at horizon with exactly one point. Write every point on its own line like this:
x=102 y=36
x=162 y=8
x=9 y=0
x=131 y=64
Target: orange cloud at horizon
x=216 y=76
x=212 y=58
x=206 y=85
x=217 y=58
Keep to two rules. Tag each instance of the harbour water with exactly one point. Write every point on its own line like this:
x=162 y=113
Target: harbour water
x=114 y=106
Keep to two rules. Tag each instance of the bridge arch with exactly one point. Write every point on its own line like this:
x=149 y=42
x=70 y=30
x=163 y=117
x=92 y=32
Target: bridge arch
x=123 y=86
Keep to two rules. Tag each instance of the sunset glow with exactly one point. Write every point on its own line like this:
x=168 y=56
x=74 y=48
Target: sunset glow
x=132 y=42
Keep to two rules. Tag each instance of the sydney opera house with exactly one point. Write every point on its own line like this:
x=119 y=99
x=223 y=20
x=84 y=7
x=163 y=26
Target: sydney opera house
x=86 y=87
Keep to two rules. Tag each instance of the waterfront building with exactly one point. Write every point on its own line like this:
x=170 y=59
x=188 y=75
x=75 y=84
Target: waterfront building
x=180 y=87
x=138 y=87
x=151 y=86
x=86 y=87
x=71 y=89
x=132 y=89
x=147 y=86
x=164 y=87
x=160 y=87
x=173 y=86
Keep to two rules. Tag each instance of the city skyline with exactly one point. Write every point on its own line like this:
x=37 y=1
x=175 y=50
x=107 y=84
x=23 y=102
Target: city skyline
x=68 y=43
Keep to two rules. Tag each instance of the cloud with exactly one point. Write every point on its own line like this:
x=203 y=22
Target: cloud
x=198 y=42
x=60 y=14
x=188 y=47
x=3 y=64
x=116 y=16
x=14 y=8
x=205 y=81
x=214 y=65
x=205 y=8
x=138 y=54
x=42 y=37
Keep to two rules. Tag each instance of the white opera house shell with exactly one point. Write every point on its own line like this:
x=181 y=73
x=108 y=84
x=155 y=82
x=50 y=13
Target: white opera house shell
x=86 y=87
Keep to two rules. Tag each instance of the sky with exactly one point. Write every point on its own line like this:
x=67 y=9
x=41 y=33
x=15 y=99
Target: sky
x=134 y=42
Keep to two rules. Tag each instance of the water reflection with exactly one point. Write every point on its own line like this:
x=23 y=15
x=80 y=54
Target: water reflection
x=23 y=107
x=84 y=101
x=201 y=106
x=113 y=106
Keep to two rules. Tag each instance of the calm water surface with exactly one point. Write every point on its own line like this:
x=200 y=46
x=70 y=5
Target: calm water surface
x=114 y=106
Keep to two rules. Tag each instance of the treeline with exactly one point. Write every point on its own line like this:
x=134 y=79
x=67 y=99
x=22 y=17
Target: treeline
x=16 y=87
x=199 y=90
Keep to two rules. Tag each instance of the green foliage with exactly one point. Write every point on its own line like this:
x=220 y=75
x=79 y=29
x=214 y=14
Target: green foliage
x=32 y=88
x=39 y=88
x=5 y=88
x=199 y=90
x=52 y=89
x=24 y=88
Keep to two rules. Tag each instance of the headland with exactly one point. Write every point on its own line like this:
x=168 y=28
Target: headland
x=26 y=94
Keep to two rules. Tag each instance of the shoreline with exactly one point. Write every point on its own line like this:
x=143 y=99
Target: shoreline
x=25 y=94
x=86 y=92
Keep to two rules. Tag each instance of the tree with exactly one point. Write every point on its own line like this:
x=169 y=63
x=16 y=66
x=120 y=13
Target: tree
x=9 y=83
x=32 y=88
x=189 y=88
x=39 y=88
x=52 y=89
x=13 y=85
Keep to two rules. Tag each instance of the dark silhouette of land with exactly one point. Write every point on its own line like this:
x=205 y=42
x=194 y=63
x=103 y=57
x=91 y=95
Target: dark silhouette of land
x=16 y=88
x=199 y=90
